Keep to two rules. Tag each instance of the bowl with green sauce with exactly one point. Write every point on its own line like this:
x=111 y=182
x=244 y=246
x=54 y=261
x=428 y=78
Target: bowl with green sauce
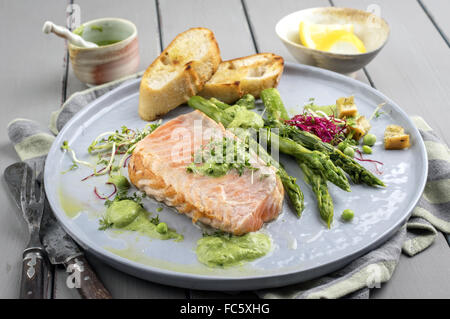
x=116 y=56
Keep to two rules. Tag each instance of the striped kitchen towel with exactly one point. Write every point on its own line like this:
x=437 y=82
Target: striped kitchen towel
x=432 y=214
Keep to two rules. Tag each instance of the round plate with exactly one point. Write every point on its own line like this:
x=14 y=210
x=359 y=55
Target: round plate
x=302 y=248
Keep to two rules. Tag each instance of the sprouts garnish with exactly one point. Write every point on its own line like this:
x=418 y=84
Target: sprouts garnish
x=111 y=144
x=377 y=112
x=75 y=160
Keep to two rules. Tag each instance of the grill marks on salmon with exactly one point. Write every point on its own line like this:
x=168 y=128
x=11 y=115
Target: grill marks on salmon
x=231 y=203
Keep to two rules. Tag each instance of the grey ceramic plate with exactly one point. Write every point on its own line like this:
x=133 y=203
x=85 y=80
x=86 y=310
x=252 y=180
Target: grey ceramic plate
x=302 y=248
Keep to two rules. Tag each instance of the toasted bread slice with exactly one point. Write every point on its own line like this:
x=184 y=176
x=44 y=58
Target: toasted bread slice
x=178 y=73
x=250 y=74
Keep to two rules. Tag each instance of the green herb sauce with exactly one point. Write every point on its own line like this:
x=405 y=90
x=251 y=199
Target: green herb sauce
x=227 y=250
x=97 y=27
x=79 y=31
x=218 y=157
x=129 y=215
x=106 y=42
x=210 y=168
x=244 y=118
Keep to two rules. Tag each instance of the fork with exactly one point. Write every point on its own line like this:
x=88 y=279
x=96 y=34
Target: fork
x=33 y=267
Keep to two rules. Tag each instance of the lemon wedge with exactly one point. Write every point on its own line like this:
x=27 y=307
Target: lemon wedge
x=336 y=38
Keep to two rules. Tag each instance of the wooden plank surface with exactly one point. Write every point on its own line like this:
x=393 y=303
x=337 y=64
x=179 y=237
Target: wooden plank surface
x=30 y=87
x=264 y=15
x=225 y=18
x=413 y=68
x=438 y=11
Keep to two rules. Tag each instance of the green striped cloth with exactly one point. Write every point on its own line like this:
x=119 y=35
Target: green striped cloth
x=432 y=213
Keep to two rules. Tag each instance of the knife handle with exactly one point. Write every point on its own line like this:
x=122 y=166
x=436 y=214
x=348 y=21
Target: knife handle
x=85 y=280
x=33 y=273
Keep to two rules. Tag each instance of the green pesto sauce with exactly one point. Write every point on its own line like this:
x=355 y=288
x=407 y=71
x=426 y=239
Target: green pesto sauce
x=129 y=215
x=210 y=168
x=327 y=109
x=225 y=250
x=106 y=42
x=244 y=118
x=97 y=28
x=79 y=31
x=215 y=158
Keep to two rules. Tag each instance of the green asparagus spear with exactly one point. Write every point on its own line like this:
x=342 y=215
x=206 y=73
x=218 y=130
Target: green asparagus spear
x=274 y=105
x=319 y=186
x=316 y=179
x=210 y=109
x=221 y=105
x=276 y=111
x=248 y=101
x=317 y=161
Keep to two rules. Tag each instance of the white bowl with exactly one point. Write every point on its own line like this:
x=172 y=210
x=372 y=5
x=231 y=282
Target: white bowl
x=370 y=28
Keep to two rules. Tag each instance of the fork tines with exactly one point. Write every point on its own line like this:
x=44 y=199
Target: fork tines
x=30 y=188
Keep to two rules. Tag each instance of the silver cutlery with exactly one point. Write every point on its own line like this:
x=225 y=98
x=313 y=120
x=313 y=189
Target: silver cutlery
x=33 y=266
x=59 y=246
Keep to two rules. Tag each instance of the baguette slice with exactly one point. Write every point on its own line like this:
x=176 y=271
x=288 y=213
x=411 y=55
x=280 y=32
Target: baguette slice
x=250 y=74
x=178 y=73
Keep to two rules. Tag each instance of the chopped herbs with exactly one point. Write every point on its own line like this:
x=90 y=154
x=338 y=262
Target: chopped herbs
x=219 y=157
x=155 y=220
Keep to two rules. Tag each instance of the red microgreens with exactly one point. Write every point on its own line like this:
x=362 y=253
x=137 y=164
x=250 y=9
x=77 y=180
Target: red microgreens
x=105 y=197
x=93 y=174
x=360 y=158
x=126 y=161
x=327 y=129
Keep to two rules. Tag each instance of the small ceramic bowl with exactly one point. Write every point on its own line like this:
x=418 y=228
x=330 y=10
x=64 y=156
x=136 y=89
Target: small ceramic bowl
x=370 y=28
x=116 y=56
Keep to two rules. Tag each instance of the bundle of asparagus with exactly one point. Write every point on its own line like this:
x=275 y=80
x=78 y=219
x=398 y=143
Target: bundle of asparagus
x=320 y=162
x=314 y=159
x=315 y=178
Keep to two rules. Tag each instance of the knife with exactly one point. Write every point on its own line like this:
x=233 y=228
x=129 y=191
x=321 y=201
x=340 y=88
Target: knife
x=60 y=247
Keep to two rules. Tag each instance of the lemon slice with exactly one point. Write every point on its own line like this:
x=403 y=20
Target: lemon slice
x=336 y=38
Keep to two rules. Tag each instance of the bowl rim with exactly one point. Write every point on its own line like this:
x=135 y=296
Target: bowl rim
x=332 y=54
x=121 y=20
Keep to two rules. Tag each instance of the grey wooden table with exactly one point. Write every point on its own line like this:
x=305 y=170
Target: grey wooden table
x=413 y=69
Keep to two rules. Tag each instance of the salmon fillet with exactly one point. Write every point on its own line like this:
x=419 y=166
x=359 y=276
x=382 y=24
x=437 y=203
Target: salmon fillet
x=231 y=203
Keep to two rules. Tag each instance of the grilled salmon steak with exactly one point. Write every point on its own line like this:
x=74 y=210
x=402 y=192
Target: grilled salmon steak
x=233 y=203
